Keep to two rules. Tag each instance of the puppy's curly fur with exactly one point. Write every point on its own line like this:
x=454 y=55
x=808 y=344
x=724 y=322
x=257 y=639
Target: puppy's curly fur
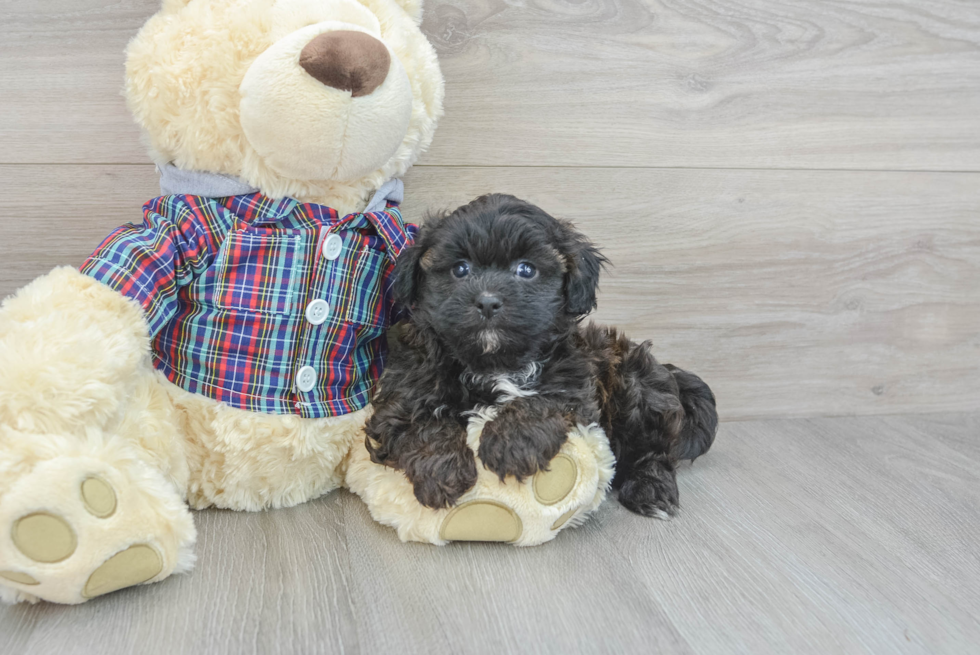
x=497 y=290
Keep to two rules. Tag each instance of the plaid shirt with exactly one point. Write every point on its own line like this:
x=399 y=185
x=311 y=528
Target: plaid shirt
x=227 y=286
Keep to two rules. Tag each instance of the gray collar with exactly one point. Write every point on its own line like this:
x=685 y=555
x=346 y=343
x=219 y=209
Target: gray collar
x=175 y=181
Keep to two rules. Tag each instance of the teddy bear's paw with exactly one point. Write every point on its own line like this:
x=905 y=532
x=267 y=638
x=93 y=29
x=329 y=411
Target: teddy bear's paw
x=520 y=513
x=492 y=520
x=75 y=528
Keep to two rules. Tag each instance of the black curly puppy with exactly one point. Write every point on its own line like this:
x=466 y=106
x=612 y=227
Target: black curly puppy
x=497 y=290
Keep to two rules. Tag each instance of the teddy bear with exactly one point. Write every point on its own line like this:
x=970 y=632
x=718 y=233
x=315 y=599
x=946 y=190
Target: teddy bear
x=222 y=351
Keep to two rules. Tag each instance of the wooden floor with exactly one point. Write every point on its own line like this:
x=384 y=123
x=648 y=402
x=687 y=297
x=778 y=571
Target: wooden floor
x=790 y=193
x=848 y=535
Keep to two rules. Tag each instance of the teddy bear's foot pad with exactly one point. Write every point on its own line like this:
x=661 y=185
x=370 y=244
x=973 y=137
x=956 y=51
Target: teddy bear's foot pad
x=18 y=577
x=44 y=537
x=563 y=519
x=133 y=566
x=553 y=485
x=98 y=497
x=481 y=520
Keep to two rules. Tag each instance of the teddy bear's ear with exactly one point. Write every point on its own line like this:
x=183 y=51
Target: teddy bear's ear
x=413 y=8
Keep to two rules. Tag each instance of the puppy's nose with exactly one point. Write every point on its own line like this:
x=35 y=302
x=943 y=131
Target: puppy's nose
x=347 y=60
x=488 y=304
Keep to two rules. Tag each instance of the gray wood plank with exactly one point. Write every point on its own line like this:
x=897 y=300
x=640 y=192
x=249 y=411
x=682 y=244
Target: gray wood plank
x=835 y=535
x=61 y=71
x=880 y=84
x=57 y=215
x=885 y=84
x=487 y=598
x=793 y=293
x=826 y=535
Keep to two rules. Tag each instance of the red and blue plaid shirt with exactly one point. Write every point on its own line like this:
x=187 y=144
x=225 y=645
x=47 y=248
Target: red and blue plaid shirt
x=226 y=284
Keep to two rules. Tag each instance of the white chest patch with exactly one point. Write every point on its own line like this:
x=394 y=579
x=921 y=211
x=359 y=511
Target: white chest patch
x=508 y=386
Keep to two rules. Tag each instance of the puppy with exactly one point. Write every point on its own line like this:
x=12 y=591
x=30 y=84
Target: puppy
x=497 y=290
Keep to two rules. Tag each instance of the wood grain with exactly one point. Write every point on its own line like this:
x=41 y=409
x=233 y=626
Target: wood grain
x=528 y=600
x=793 y=293
x=57 y=215
x=885 y=84
x=61 y=75
x=846 y=535
x=821 y=536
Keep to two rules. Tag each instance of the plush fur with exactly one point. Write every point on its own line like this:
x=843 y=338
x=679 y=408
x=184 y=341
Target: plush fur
x=497 y=290
x=79 y=396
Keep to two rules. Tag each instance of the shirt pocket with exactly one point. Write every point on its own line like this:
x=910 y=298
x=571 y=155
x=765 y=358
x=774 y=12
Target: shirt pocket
x=253 y=272
x=361 y=288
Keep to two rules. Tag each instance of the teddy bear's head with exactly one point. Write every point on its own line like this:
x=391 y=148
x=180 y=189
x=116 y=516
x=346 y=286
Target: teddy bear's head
x=319 y=100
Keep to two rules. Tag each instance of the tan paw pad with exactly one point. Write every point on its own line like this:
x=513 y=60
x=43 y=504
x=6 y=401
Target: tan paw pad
x=481 y=520
x=563 y=519
x=133 y=566
x=44 y=537
x=18 y=577
x=98 y=497
x=553 y=485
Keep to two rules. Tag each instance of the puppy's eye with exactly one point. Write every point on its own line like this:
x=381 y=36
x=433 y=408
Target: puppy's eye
x=461 y=269
x=526 y=270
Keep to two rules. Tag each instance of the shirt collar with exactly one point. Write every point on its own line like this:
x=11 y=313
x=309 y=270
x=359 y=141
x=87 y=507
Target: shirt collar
x=177 y=181
x=257 y=209
x=381 y=212
x=387 y=222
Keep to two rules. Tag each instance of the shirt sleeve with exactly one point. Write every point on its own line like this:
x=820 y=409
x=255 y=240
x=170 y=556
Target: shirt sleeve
x=149 y=262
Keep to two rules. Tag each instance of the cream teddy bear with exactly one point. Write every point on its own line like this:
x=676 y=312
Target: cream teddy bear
x=222 y=352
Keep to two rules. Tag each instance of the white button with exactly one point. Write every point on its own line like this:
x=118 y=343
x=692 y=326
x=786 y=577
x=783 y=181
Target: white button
x=306 y=379
x=317 y=311
x=332 y=246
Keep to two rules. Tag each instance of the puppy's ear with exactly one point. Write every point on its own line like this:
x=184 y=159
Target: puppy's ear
x=585 y=262
x=408 y=274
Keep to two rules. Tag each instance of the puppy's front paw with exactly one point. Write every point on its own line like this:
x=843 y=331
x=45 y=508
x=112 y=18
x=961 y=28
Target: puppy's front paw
x=507 y=448
x=438 y=494
x=512 y=456
x=439 y=480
